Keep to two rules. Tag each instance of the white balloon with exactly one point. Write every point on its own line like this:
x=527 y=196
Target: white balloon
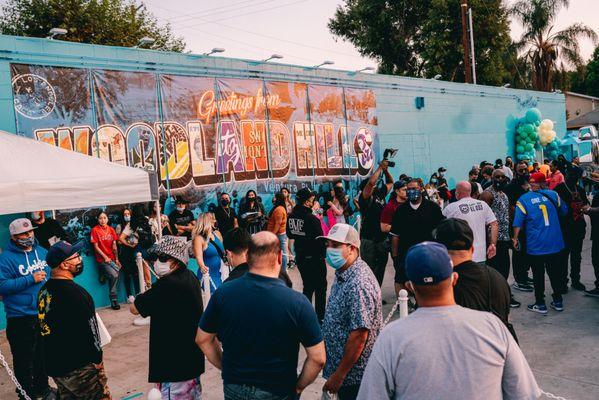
x=154 y=394
x=547 y=124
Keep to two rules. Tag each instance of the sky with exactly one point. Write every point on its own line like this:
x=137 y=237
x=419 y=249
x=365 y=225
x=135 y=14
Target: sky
x=295 y=29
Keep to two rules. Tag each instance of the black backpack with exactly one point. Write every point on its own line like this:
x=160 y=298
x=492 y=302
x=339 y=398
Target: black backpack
x=144 y=233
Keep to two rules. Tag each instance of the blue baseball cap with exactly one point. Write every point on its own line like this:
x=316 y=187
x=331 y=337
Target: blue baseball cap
x=428 y=263
x=61 y=251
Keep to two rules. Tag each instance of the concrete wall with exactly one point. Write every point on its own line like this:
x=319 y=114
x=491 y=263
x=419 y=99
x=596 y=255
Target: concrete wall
x=458 y=126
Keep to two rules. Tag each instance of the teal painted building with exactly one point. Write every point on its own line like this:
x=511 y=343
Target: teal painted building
x=431 y=123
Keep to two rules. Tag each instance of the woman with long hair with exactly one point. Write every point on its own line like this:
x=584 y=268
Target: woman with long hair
x=338 y=207
x=128 y=241
x=289 y=203
x=208 y=250
x=251 y=213
x=104 y=241
x=277 y=223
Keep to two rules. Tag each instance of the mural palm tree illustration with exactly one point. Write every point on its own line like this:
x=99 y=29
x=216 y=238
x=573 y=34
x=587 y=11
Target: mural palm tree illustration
x=542 y=44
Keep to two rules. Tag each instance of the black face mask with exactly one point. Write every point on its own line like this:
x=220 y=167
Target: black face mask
x=499 y=184
x=225 y=202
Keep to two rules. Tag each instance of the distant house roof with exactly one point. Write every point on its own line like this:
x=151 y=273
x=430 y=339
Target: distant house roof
x=590 y=118
x=584 y=96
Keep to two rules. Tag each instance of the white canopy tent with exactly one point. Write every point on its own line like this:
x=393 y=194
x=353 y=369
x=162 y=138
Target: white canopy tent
x=36 y=176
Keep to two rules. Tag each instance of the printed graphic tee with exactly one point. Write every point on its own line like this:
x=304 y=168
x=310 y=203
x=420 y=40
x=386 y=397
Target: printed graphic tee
x=68 y=327
x=478 y=214
x=104 y=236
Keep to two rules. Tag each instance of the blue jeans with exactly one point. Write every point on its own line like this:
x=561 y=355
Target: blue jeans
x=111 y=272
x=283 y=241
x=248 y=392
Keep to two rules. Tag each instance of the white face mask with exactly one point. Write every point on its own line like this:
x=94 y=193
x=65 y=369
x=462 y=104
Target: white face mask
x=162 y=268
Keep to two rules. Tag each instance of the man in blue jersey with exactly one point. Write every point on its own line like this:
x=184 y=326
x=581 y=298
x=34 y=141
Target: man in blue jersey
x=537 y=212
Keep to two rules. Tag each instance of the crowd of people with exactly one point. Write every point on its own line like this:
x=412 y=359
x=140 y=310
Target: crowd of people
x=450 y=249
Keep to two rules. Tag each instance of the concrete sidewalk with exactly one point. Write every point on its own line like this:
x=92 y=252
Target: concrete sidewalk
x=562 y=348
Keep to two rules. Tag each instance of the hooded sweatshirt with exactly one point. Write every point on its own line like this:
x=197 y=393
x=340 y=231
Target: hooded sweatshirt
x=17 y=286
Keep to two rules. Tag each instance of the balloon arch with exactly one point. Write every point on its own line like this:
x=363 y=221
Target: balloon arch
x=531 y=133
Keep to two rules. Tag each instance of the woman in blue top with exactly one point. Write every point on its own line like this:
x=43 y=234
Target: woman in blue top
x=207 y=248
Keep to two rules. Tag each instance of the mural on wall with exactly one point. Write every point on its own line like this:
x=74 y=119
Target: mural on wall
x=202 y=133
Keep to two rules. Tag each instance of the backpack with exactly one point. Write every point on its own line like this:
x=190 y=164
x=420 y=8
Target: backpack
x=144 y=233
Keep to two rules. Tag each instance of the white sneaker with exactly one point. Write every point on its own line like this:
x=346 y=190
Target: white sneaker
x=130 y=299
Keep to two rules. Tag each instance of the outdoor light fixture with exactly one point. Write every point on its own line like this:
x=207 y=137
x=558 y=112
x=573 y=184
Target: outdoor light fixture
x=437 y=77
x=365 y=69
x=557 y=91
x=507 y=85
x=327 y=62
x=144 y=41
x=214 y=50
x=56 y=32
x=273 y=57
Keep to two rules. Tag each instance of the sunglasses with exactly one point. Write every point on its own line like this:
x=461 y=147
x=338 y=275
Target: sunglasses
x=73 y=258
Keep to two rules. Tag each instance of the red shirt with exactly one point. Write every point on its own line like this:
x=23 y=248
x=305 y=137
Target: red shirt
x=555 y=179
x=105 y=237
x=389 y=211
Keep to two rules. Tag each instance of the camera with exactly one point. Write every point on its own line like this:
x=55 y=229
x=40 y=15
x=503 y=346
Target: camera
x=390 y=153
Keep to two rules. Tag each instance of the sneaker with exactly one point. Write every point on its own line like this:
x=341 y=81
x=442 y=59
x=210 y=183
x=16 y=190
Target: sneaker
x=592 y=293
x=578 y=286
x=523 y=287
x=514 y=303
x=538 y=308
x=130 y=299
x=557 y=305
x=115 y=305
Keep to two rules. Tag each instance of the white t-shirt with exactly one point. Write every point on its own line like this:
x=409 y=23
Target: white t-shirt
x=478 y=214
x=449 y=353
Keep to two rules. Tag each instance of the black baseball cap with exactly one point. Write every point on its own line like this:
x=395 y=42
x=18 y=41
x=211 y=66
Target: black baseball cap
x=455 y=234
x=399 y=185
x=442 y=169
x=61 y=251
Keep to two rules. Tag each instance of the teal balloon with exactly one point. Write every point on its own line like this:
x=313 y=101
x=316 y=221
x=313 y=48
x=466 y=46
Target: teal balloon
x=538 y=123
x=519 y=149
x=527 y=128
x=529 y=146
x=523 y=120
x=533 y=115
x=533 y=136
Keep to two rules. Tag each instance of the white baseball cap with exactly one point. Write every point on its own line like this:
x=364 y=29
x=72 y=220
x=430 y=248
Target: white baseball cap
x=20 y=225
x=343 y=233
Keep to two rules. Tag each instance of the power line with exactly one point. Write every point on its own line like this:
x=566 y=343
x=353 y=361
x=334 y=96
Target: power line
x=193 y=16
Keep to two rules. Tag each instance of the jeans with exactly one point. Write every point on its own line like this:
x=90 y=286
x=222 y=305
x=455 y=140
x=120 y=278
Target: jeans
x=111 y=272
x=283 y=242
x=27 y=354
x=555 y=267
x=573 y=249
x=375 y=254
x=313 y=271
x=348 y=392
x=595 y=260
x=501 y=261
x=248 y=392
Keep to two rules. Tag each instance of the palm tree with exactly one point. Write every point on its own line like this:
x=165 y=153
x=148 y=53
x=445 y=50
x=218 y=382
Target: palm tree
x=543 y=46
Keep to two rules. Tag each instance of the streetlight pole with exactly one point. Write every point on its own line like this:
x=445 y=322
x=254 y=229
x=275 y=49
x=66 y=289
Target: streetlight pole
x=472 y=46
x=465 y=44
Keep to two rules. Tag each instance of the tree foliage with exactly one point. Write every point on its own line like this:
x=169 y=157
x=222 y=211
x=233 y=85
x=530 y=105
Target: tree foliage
x=106 y=22
x=423 y=38
x=542 y=44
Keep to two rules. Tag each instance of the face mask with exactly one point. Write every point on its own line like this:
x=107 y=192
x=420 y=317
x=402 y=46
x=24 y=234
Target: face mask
x=162 y=268
x=334 y=258
x=433 y=181
x=180 y=209
x=414 y=195
x=27 y=242
x=225 y=202
x=441 y=174
x=127 y=219
x=36 y=215
x=79 y=269
x=251 y=198
x=498 y=185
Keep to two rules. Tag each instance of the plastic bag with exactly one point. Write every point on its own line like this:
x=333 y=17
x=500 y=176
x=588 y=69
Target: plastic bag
x=105 y=337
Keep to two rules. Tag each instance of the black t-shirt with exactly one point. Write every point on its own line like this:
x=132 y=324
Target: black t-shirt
x=68 y=326
x=595 y=218
x=482 y=288
x=574 y=222
x=183 y=219
x=371 y=210
x=261 y=323
x=304 y=228
x=415 y=226
x=50 y=228
x=175 y=305
x=225 y=219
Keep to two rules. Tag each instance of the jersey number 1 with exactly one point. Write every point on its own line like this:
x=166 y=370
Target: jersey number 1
x=543 y=208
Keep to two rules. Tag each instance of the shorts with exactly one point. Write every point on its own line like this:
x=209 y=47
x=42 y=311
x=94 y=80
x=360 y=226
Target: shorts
x=399 y=263
x=186 y=390
x=88 y=382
